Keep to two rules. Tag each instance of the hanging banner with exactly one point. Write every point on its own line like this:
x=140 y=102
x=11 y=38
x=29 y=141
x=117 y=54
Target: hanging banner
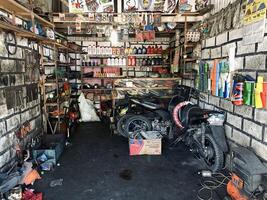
x=254 y=21
x=81 y=6
x=149 y=5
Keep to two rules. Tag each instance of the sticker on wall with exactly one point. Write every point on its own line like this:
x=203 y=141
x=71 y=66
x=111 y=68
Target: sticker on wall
x=149 y=5
x=130 y=5
x=81 y=6
x=255 y=11
x=146 y=5
x=254 y=21
x=77 y=6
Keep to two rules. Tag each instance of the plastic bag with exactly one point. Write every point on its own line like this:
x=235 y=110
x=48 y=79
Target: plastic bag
x=87 y=110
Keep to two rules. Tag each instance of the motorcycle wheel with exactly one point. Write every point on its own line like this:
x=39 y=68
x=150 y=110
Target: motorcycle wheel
x=121 y=125
x=137 y=123
x=214 y=157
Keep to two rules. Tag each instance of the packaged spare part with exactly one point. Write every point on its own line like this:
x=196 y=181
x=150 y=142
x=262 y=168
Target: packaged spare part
x=11 y=43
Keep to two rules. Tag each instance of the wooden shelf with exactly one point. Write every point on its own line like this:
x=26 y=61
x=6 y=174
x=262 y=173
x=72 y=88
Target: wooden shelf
x=52 y=84
x=142 y=88
x=27 y=34
x=19 y=31
x=189 y=59
x=97 y=90
x=152 y=79
x=200 y=12
x=122 y=66
x=104 y=66
x=107 y=56
x=19 y=10
x=130 y=67
x=145 y=55
x=190 y=45
x=102 y=77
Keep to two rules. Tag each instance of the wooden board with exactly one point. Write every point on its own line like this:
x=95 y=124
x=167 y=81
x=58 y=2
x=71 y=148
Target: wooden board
x=19 y=10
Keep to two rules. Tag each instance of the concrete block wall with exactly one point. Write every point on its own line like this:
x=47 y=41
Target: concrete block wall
x=12 y=118
x=245 y=125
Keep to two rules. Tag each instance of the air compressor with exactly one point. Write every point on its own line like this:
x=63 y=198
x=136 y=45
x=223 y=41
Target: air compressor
x=247 y=176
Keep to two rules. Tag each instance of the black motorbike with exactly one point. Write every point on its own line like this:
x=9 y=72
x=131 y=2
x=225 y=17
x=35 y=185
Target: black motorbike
x=201 y=129
x=154 y=114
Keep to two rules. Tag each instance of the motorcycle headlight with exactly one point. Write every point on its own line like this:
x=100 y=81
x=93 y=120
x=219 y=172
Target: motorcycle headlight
x=216 y=119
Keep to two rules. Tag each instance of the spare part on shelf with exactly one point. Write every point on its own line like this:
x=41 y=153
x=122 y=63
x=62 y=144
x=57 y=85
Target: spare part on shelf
x=11 y=43
x=154 y=74
x=88 y=75
x=201 y=4
x=5 y=19
x=193 y=36
x=3 y=80
x=145 y=4
x=171 y=25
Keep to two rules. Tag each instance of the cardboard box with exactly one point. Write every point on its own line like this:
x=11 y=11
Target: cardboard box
x=145 y=147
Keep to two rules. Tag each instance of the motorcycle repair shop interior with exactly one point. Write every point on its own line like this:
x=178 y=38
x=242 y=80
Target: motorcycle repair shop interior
x=133 y=99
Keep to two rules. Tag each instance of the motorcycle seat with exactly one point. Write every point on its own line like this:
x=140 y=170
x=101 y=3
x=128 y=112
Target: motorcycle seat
x=147 y=104
x=190 y=114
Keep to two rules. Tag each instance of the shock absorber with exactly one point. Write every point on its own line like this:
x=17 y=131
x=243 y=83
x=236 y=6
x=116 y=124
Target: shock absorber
x=203 y=130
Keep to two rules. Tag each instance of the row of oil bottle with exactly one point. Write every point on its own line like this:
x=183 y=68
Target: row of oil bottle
x=132 y=61
x=103 y=50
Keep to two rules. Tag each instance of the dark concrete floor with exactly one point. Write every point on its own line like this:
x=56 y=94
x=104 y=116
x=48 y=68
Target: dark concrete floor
x=92 y=165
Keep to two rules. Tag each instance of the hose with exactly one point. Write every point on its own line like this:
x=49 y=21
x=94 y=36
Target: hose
x=209 y=186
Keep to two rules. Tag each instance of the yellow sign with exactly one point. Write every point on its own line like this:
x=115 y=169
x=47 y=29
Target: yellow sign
x=255 y=11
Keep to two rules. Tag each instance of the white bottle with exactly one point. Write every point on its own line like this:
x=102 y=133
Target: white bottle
x=116 y=62
x=112 y=62
x=89 y=50
x=124 y=62
x=97 y=50
x=94 y=50
x=120 y=62
x=105 y=51
x=109 y=62
x=101 y=50
x=109 y=51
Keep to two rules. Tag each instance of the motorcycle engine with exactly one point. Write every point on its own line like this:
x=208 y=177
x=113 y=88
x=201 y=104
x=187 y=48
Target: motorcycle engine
x=161 y=126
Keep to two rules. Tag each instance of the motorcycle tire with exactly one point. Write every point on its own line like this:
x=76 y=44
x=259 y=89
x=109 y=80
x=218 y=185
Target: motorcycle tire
x=145 y=121
x=121 y=125
x=218 y=154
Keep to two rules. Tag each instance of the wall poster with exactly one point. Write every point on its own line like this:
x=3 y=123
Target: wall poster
x=83 y=6
x=254 y=21
x=149 y=5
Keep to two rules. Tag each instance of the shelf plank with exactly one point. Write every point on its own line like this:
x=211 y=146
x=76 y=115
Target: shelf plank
x=103 y=77
x=145 y=55
x=153 y=79
x=19 y=10
x=142 y=88
x=97 y=90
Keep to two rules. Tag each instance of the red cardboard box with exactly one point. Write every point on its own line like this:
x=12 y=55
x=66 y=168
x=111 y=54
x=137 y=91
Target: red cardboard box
x=145 y=147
